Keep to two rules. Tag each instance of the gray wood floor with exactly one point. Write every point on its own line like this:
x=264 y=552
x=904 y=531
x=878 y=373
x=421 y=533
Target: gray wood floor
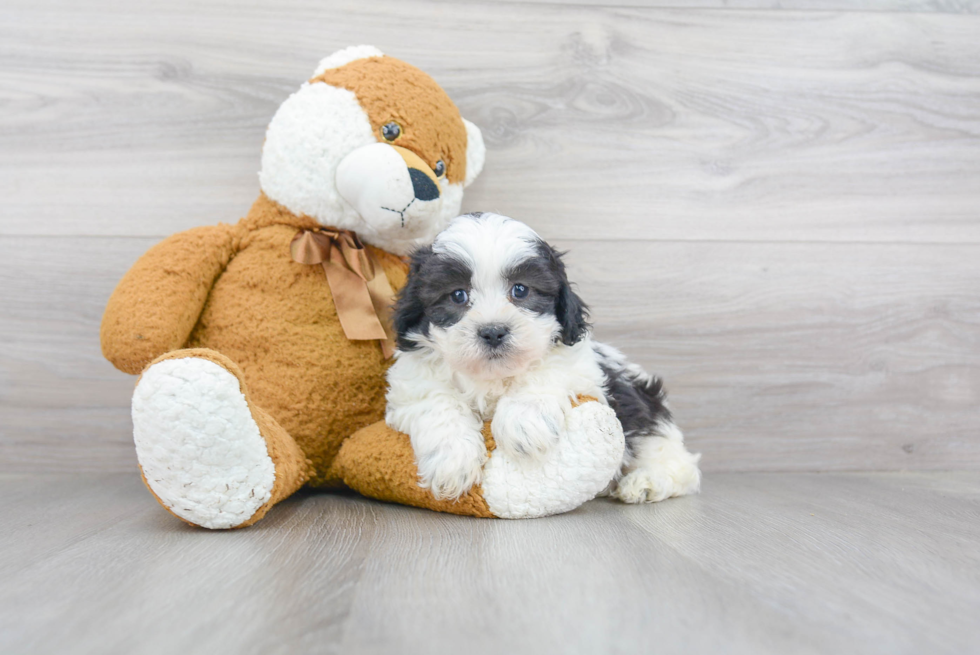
x=759 y=563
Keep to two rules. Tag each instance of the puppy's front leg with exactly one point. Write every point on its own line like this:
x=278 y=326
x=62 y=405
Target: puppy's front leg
x=446 y=435
x=449 y=451
x=529 y=424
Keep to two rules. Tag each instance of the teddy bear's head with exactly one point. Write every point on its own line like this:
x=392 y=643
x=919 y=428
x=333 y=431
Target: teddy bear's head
x=374 y=145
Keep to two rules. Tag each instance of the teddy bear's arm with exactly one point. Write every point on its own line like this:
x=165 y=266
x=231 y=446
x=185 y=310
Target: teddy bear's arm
x=157 y=303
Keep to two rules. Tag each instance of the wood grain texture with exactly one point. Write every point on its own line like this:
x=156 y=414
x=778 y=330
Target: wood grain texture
x=777 y=356
x=801 y=356
x=795 y=194
x=759 y=563
x=62 y=406
x=890 y=6
x=775 y=206
x=663 y=123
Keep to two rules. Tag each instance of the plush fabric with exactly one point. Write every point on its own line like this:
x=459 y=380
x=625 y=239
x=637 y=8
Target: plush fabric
x=378 y=461
x=391 y=90
x=276 y=319
x=159 y=300
x=198 y=499
x=327 y=128
x=245 y=298
x=249 y=387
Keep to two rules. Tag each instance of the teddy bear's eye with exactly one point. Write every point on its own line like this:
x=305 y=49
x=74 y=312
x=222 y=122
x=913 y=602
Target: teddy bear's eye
x=391 y=131
x=440 y=168
x=459 y=296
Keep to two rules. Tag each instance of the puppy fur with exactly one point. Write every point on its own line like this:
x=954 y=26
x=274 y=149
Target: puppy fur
x=489 y=326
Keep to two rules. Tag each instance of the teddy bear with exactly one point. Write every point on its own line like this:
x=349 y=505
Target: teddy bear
x=262 y=345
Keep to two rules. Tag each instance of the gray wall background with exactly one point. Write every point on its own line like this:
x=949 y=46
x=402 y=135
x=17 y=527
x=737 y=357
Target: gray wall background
x=774 y=205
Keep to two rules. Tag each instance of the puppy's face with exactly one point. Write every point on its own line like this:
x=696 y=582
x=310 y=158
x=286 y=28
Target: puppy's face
x=489 y=297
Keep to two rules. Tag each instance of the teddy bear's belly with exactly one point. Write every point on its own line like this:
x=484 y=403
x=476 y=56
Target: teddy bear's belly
x=277 y=321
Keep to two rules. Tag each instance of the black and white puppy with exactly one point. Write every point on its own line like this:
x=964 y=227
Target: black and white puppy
x=489 y=326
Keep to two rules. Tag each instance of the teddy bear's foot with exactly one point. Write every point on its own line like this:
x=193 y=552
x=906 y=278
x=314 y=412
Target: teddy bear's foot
x=578 y=467
x=207 y=456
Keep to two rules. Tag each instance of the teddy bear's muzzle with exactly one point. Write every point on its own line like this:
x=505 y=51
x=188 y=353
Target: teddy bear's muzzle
x=390 y=187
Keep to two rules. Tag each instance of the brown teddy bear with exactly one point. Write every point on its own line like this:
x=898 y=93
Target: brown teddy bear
x=263 y=345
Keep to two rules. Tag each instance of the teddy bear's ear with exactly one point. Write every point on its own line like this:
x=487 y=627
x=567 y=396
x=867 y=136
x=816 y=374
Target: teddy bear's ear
x=476 y=152
x=347 y=55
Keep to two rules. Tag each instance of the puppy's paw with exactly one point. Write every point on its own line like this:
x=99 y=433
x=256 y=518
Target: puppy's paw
x=644 y=486
x=452 y=469
x=674 y=473
x=528 y=426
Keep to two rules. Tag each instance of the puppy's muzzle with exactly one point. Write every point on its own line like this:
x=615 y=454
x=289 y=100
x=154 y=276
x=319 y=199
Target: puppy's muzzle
x=494 y=336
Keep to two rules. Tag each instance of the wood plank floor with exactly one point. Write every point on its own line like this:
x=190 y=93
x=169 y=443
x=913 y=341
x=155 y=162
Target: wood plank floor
x=759 y=563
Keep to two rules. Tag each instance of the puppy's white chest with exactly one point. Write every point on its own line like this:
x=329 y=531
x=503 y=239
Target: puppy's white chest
x=482 y=397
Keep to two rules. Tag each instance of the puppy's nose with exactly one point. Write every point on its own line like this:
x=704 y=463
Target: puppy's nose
x=494 y=335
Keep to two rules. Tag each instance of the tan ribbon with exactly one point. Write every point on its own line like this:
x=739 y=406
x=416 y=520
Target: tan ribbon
x=361 y=291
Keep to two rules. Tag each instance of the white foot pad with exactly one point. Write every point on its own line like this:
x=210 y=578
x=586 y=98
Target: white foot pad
x=580 y=466
x=198 y=445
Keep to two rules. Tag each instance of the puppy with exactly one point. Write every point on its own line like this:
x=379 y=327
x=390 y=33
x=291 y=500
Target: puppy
x=488 y=326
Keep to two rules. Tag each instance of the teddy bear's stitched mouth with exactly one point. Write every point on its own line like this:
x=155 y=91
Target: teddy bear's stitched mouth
x=401 y=212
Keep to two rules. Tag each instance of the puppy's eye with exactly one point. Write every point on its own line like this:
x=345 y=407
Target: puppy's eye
x=391 y=131
x=440 y=168
x=519 y=291
x=459 y=296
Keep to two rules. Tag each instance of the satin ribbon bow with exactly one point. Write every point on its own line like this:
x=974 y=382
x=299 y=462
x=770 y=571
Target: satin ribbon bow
x=361 y=291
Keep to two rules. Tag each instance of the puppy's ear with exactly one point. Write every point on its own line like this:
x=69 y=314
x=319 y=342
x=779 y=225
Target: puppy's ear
x=409 y=314
x=572 y=314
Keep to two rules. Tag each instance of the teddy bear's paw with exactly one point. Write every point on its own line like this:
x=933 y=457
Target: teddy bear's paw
x=200 y=450
x=451 y=470
x=671 y=471
x=581 y=465
x=528 y=426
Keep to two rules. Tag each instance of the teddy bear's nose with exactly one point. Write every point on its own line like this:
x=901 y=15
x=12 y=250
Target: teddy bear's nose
x=425 y=189
x=423 y=179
